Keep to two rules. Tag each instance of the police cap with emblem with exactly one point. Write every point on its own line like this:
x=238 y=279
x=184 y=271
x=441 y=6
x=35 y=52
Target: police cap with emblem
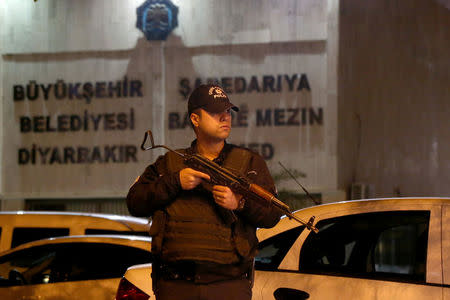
x=211 y=98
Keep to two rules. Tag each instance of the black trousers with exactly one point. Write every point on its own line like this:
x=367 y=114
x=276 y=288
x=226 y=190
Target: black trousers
x=234 y=289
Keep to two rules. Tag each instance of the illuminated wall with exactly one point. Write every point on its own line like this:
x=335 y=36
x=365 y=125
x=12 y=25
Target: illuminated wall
x=81 y=84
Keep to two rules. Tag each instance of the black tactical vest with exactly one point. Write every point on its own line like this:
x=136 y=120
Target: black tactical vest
x=193 y=227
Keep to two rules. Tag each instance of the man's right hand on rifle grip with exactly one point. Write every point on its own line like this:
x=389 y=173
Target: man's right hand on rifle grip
x=190 y=178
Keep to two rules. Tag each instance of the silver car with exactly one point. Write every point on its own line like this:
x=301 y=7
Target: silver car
x=370 y=249
x=73 y=267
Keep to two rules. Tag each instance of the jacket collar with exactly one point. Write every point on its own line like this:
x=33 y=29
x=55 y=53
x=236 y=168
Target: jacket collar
x=219 y=159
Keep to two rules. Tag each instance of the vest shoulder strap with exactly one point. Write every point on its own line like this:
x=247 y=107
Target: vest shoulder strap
x=238 y=160
x=174 y=161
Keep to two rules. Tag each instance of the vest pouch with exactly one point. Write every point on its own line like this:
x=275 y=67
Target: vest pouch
x=157 y=230
x=245 y=240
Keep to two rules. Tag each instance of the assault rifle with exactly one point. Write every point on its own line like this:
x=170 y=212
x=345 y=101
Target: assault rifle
x=222 y=176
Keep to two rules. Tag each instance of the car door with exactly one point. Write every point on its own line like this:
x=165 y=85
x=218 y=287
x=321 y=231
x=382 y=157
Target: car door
x=67 y=271
x=359 y=254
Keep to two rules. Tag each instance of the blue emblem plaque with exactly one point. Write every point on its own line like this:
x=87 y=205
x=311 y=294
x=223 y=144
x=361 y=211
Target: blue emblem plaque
x=157 y=18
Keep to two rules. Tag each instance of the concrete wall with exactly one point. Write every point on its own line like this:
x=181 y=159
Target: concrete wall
x=385 y=98
x=394 y=97
x=64 y=25
x=2 y=31
x=275 y=47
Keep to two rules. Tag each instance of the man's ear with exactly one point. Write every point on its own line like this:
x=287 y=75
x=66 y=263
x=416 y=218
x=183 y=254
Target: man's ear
x=195 y=119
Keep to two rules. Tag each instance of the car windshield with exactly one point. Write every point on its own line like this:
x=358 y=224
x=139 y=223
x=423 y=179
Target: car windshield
x=69 y=262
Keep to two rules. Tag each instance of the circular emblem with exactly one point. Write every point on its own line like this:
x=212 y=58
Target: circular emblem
x=157 y=18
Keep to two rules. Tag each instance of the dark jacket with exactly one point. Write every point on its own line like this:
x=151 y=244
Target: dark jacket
x=158 y=189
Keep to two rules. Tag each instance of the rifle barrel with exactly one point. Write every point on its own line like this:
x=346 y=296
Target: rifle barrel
x=308 y=225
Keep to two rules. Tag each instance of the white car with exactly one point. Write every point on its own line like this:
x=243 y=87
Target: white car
x=368 y=249
x=18 y=227
x=73 y=267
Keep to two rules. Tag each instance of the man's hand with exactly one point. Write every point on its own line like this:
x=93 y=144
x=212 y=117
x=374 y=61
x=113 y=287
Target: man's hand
x=225 y=197
x=190 y=178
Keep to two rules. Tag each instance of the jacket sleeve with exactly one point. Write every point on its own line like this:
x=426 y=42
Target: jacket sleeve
x=154 y=189
x=261 y=213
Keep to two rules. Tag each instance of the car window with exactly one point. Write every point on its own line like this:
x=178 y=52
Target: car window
x=385 y=245
x=69 y=262
x=15 y=267
x=272 y=251
x=23 y=235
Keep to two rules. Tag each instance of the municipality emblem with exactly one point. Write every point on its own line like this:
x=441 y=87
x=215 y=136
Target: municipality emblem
x=157 y=18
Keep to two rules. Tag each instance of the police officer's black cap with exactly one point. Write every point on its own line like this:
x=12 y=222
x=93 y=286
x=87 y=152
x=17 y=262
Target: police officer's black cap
x=211 y=98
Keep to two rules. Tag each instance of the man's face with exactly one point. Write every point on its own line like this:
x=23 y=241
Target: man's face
x=216 y=126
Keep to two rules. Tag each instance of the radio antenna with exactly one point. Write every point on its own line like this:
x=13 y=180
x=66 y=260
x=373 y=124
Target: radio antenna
x=316 y=202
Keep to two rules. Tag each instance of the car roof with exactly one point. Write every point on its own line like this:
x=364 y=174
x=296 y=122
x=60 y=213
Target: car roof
x=81 y=214
x=374 y=201
x=306 y=213
x=143 y=242
x=131 y=223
